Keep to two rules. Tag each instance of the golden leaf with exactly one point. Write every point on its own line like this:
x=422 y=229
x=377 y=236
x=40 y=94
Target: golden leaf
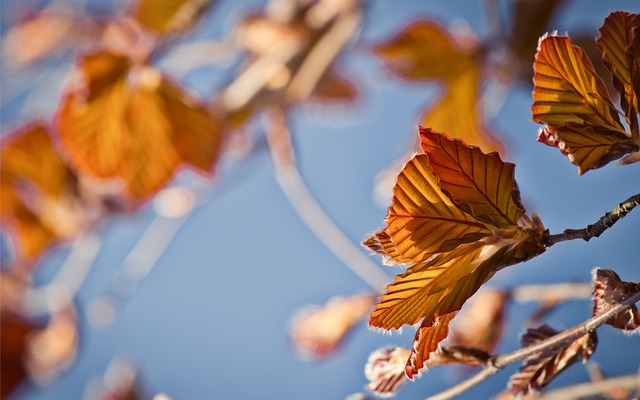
x=165 y=17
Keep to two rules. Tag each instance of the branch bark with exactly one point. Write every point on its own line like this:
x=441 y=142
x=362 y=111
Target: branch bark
x=596 y=229
x=497 y=363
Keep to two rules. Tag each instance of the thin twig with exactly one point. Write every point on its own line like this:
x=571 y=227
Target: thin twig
x=496 y=363
x=596 y=229
x=310 y=211
x=627 y=382
x=551 y=292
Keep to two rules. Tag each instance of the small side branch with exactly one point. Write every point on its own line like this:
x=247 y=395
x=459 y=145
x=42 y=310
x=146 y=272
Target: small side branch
x=496 y=363
x=596 y=229
x=630 y=383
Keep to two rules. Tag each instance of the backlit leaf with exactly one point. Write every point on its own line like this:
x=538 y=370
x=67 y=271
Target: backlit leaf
x=567 y=89
x=422 y=220
x=480 y=184
x=318 y=331
x=426 y=340
x=134 y=125
x=385 y=370
x=620 y=44
x=13 y=343
x=610 y=289
x=539 y=369
x=168 y=16
x=424 y=50
x=586 y=146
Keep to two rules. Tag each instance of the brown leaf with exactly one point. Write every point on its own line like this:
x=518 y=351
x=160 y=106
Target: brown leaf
x=165 y=17
x=318 y=331
x=478 y=183
x=429 y=335
x=609 y=290
x=15 y=332
x=132 y=124
x=385 y=370
x=539 y=369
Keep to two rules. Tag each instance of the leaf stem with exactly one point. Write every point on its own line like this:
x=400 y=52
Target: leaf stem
x=497 y=363
x=596 y=229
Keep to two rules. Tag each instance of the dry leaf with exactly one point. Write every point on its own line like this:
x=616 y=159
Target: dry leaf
x=425 y=342
x=318 y=331
x=609 y=290
x=539 y=369
x=385 y=370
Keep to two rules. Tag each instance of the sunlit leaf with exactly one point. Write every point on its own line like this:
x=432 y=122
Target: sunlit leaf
x=480 y=184
x=425 y=50
x=567 y=89
x=39 y=194
x=429 y=335
x=610 y=289
x=586 y=146
x=422 y=220
x=133 y=124
x=380 y=242
x=318 y=331
x=169 y=16
x=539 y=369
x=462 y=92
x=620 y=44
x=385 y=370
x=480 y=323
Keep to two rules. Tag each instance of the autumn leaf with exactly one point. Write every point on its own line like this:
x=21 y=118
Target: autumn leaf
x=132 y=124
x=318 y=331
x=610 y=289
x=165 y=17
x=477 y=196
x=620 y=45
x=573 y=103
x=41 y=202
x=480 y=184
x=540 y=368
x=385 y=370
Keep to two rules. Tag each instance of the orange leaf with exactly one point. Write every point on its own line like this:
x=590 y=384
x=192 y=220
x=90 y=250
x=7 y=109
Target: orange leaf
x=567 y=89
x=422 y=220
x=165 y=17
x=478 y=183
x=586 y=146
x=426 y=340
x=620 y=44
x=425 y=50
x=462 y=93
x=133 y=124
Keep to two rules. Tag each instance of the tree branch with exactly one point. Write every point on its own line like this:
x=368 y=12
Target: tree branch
x=496 y=363
x=596 y=229
x=627 y=382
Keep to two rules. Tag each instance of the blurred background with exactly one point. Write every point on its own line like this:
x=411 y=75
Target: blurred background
x=195 y=288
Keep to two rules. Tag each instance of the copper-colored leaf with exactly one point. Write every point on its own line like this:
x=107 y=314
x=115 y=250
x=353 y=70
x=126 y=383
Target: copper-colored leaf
x=567 y=89
x=620 y=55
x=610 y=289
x=539 y=369
x=429 y=335
x=462 y=92
x=385 y=370
x=587 y=146
x=318 y=331
x=424 y=50
x=39 y=194
x=479 y=325
x=478 y=183
x=15 y=332
x=169 y=16
x=422 y=220
x=380 y=242
x=133 y=124
x=333 y=87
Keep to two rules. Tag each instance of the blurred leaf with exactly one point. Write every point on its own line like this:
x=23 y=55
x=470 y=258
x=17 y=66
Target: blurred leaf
x=133 y=124
x=539 y=369
x=480 y=323
x=610 y=289
x=479 y=184
x=165 y=17
x=385 y=370
x=567 y=89
x=318 y=331
x=422 y=220
x=426 y=340
x=620 y=44
x=333 y=87
x=15 y=332
x=40 y=199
